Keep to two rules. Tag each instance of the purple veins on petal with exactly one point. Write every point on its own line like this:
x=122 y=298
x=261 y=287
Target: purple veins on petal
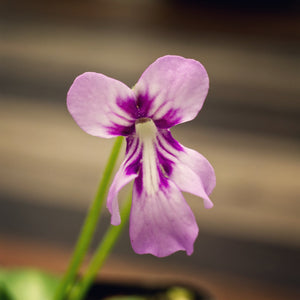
x=170 y=140
x=169 y=120
x=163 y=179
x=163 y=223
x=143 y=103
x=165 y=163
x=139 y=181
x=171 y=91
x=91 y=101
x=120 y=130
x=130 y=140
x=175 y=82
x=127 y=105
x=191 y=172
x=134 y=157
x=134 y=166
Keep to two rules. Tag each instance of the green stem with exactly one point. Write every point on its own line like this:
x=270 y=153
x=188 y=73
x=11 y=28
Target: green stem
x=89 y=225
x=102 y=253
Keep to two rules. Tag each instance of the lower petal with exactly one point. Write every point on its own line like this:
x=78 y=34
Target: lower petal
x=188 y=181
x=193 y=173
x=128 y=171
x=189 y=170
x=163 y=223
x=201 y=166
x=121 y=179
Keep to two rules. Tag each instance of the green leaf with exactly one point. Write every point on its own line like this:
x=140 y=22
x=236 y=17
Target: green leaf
x=4 y=294
x=27 y=284
x=180 y=293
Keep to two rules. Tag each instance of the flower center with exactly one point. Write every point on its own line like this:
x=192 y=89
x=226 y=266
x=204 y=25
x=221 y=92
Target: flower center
x=146 y=132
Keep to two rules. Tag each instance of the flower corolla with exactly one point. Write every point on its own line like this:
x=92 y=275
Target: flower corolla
x=171 y=90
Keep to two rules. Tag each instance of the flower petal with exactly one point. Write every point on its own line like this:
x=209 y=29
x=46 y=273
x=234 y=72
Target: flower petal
x=127 y=172
x=163 y=223
x=200 y=166
x=101 y=106
x=188 y=169
x=172 y=90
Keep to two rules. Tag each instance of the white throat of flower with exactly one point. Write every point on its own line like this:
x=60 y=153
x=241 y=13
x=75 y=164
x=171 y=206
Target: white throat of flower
x=146 y=132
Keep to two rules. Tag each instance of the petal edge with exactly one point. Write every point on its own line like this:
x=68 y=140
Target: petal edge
x=97 y=103
x=174 y=88
x=162 y=224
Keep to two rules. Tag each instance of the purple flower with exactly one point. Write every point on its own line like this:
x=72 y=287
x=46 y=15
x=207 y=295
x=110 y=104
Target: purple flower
x=171 y=91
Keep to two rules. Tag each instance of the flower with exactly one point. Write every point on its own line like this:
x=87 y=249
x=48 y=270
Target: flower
x=171 y=90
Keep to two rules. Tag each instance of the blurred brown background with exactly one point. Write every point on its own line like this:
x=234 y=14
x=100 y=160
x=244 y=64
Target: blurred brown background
x=248 y=128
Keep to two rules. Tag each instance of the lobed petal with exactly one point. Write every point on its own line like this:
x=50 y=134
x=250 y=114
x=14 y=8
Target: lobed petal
x=200 y=166
x=102 y=106
x=172 y=90
x=127 y=172
x=163 y=223
x=188 y=169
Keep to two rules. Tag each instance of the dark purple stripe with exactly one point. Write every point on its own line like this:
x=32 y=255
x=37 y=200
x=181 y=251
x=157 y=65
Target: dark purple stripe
x=143 y=103
x=121 y=130
x=170 y=140
x=162 y=147
x=130 y=141
x=170 y=119
x=163 y=180
x=123 y=117
x=165 y=163
x=139 y=182
x=128 y=105
x=135 y=165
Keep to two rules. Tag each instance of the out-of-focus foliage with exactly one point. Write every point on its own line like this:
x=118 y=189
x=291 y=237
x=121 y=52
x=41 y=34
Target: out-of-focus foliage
x=27 y=284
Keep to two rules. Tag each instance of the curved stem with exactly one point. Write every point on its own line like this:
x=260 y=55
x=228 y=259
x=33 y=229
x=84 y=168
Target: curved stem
x=102 y=253
x=89 y=225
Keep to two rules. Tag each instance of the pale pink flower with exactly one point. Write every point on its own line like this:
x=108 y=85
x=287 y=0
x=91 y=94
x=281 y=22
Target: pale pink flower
x=171 y=91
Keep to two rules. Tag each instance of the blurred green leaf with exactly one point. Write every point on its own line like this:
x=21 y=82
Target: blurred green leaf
x=180 y=293
x=4 y=294
x=27 y=284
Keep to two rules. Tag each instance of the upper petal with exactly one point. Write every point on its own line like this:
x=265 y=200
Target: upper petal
x=101 y=106
x=163 y=223
x=172 y=90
